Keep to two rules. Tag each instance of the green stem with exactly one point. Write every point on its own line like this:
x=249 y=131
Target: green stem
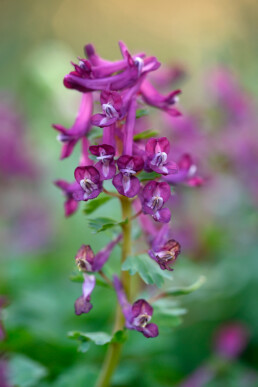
x=114 y=350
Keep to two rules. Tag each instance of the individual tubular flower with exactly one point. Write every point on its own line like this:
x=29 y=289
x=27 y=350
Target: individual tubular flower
x=111 y=103
x=186 y=173
x=125 y=182
x=138 y=315
x=83 y=304
x=143 y=64
x=153 y=197
x=80 y=128
x=89 y=183
x=106 y=166
x=157 y=151
x=166 y=255
x=153 y=98
x=87 y=261
x=68 y=189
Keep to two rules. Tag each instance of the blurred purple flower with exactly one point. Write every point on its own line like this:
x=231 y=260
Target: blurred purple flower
x=153 y=98
x=186 y=173
x=137 y=315
x=231 y=340
x=68 y=189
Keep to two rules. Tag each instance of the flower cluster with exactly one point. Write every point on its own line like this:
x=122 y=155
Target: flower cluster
x=140 y=167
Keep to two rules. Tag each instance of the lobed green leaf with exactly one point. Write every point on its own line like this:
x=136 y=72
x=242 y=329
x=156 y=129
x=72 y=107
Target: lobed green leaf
x=148 y=270
x=98 y=338
x=103 y=224
x=25 y=372
x=93 y=205
x=180 y=291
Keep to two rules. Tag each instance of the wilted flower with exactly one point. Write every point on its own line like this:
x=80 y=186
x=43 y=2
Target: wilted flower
x=87 y=261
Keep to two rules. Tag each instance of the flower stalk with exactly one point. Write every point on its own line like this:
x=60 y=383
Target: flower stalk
x=113 y=353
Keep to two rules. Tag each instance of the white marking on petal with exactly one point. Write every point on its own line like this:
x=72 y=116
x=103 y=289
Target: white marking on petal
x=141 y=320
x=192 y=170
x=126 y=181
x=109 y=110
x=139 y=63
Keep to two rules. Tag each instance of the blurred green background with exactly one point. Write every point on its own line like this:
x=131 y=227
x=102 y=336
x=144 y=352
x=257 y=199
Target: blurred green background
x=38 y=41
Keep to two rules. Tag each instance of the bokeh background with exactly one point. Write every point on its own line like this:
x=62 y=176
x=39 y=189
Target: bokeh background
x=219 y=221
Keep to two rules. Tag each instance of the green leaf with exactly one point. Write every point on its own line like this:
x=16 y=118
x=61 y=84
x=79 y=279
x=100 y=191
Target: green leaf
x=180 y=291
x=103 y=224
x=148 y=175
x=93 y=205
x=25 y=372
x=119 y=336
x=168 y=307
x=148 y=270
x=145 y=134
x=98 y=338
x=141 y=113
x=84 y=346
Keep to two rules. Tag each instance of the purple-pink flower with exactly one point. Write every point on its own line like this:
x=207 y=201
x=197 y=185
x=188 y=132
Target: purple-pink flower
x=83 y=304
x=89 y=183
x=125 y=182
x=187 y=173
x=153 y=197
x=106 y=166
x=157 y=150
x=230 y=340
x=80 y=128
x=87 y=261
x=153 y=98
x=137 y=315
x=111 y=103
